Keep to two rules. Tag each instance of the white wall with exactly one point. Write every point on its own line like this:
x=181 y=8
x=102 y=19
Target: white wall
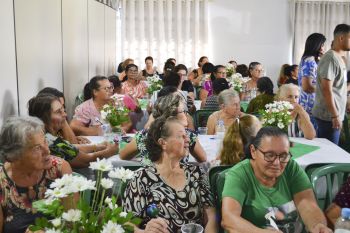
x=75 y=49
x=250 y=30
x=39 y=47
x=8 y=90
x=57 y=43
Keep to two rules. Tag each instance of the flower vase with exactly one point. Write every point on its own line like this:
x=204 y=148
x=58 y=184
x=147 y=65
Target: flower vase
x=117 y=133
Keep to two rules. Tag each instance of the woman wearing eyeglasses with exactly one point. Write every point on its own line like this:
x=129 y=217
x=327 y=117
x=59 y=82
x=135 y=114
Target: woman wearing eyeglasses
x=134 y=86
x=165 y=106
x=270 y=192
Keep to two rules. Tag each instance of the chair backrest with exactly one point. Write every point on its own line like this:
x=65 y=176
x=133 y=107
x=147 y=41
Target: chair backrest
x=332 y=176
x=201 y=117
x=217 y=182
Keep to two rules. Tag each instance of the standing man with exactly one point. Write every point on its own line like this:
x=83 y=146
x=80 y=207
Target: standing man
x=331 y=88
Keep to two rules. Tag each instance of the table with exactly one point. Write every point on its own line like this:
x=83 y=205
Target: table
x=327 y=153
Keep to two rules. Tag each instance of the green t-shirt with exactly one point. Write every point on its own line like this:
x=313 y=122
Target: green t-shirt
x=257 y=200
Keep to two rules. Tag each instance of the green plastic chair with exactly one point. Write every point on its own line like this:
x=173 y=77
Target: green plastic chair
x=217 y=182
x=335 y=176
x=201 y=117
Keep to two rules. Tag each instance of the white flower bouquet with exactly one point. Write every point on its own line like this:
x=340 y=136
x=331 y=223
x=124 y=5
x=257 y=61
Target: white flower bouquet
x=154 y=84
x=230 y=70
x=102 y=215
x=237 y=82
x=115 y=113
x=277 y=114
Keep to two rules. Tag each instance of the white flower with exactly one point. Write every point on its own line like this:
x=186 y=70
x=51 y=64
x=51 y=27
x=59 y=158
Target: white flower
x=65 y=180
x=56 y=222
x=280 y=125
x=106 y=183
x=72 y=215
x=52 y=230
x=55 y=193
x=270 y=121
x=112 y=227
x=101 y=165
x=121 y=173
x=123 y=214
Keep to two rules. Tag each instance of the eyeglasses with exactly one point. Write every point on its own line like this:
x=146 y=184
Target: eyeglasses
x=110 y=88
x=221 y=72
x=260 y=71
x=271 y=157
x=133 y=70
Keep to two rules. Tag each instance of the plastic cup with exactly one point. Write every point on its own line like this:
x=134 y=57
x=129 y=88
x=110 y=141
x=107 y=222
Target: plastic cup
x=203 y=130
x=192 y=228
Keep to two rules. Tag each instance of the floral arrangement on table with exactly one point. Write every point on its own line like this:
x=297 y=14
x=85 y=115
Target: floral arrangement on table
x=115 y=113
x=103 y=215
x=277 y=114
x=230 y=70
x=154 y=84
x=237 y=82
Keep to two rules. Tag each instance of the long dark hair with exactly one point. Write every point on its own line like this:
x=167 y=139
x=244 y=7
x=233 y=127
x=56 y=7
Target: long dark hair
x=313 y=45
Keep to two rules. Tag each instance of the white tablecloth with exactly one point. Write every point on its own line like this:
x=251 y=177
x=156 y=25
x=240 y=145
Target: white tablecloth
x=328 y=152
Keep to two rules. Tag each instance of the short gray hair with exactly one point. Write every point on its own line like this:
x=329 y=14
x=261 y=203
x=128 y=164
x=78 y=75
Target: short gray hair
x=14 y=136
x=284 y=88
x=226 y=96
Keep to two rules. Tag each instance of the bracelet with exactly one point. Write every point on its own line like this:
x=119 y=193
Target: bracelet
x=335 y=116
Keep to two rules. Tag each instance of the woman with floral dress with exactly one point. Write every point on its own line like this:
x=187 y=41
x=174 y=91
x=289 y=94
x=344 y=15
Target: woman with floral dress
x=314 y=49
x=166 y=106
x=27 y=172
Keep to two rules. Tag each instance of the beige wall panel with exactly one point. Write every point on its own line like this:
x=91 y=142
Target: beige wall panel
x=39 y=47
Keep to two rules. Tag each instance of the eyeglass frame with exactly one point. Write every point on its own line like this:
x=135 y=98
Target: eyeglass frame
x=110 y=88
x=289 y=156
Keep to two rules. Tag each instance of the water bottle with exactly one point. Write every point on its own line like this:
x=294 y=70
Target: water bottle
x=343 y=223
x=220 y=129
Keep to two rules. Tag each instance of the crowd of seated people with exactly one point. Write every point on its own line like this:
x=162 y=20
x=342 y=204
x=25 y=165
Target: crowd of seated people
x=266 y=181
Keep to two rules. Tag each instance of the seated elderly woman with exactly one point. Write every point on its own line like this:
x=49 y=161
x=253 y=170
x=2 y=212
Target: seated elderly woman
x=237 y=139
x=134 y=86
x=301 y=124
x=165 y=106
x=27 y=172
x=341 y=200
x=50 y=110
x=266 y=96
x=180 y=192
x=230 y=109
x=66 y=131
x=270 y=190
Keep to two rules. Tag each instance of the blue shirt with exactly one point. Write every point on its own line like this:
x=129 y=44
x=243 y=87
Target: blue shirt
x=308 y=69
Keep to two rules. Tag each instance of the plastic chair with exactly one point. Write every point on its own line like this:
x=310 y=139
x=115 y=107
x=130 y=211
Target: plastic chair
x=335 y=176
x=217 y=182
x=201 y=117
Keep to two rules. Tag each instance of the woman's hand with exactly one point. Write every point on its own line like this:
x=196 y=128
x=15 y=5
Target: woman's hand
x=111 y=149
x=320 y=228
x=82 y=140
x=157 y=225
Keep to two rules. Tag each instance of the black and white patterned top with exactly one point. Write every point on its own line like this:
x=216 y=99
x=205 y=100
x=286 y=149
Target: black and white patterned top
x=178 y=207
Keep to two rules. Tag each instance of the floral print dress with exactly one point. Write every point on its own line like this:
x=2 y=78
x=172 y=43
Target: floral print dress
x=15 y=202
x=141 y=137
x=177 y=206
